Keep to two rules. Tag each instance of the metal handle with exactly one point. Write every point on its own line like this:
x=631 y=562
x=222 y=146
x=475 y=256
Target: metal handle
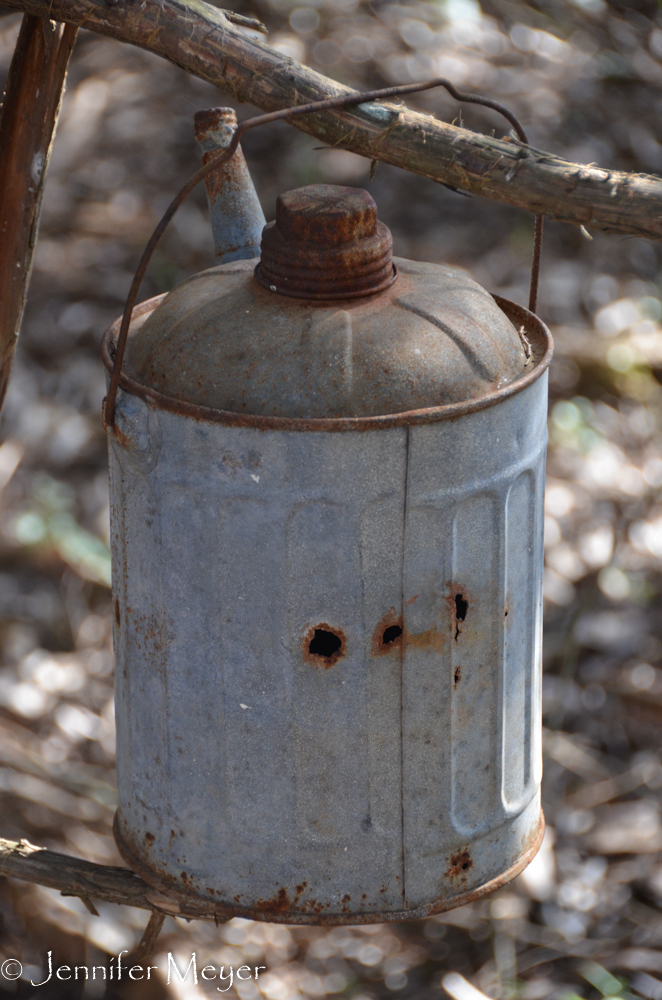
x=226 y=154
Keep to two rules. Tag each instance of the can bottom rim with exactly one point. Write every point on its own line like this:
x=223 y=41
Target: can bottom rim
x=175 y=901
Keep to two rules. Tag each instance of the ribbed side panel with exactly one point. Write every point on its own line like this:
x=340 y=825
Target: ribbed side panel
x=475 y=608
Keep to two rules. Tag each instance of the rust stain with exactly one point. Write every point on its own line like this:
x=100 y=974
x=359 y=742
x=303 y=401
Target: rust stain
x=412 y=599
x=432 y=639
x=312 y=906
x=149 y=837
x=279 y=904
x=388 y=634
x=530 y=838
x=460 y=864
x=323 y=645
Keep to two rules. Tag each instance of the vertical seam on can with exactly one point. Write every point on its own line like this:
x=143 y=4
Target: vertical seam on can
x=501 y=600
x=403 y=646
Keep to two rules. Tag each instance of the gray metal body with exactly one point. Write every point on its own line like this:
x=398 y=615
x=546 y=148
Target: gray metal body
x=398 y=779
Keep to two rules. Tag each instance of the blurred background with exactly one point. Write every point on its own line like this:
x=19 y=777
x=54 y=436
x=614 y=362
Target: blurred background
x=585 y=78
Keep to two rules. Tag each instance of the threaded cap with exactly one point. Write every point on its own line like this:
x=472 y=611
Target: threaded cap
x=326 y=243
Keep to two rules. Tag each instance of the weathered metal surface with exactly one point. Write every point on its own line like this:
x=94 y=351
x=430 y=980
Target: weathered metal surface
x=269 y=771
x=326 y=243
x=195 y=907
x=434 y=337
x=539 y=352
x=235 y=213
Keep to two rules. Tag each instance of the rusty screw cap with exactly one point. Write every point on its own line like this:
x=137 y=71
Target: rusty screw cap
x=326 y=243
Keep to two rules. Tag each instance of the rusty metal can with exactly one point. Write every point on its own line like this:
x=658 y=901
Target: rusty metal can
x=327 y=551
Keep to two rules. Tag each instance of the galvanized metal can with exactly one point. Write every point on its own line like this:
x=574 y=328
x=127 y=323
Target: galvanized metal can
x=328 y=624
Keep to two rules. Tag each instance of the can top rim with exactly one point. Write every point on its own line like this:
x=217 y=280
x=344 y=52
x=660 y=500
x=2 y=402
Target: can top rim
x=537 y=333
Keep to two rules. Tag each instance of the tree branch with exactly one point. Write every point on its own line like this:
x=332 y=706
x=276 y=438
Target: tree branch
x=89 y=882
x=201 y=40
x=27 y=123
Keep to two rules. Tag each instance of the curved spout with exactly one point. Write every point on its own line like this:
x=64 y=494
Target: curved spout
x=235 y=213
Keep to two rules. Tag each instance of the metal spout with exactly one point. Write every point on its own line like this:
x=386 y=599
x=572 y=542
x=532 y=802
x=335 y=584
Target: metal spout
x=235 y=213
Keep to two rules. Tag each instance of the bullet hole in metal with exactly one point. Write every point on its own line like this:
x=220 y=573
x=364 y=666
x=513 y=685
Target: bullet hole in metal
x=465 y=866
x=391 y=633
x=388 y=635
x=324 y=643
x=457 y=675
x=461 y=608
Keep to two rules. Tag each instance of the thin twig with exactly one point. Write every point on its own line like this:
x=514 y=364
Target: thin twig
x=147 y=942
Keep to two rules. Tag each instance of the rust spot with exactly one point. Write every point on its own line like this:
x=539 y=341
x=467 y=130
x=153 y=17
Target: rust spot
x=388 y=634
x=412 y=599
x=184 y=876
x=346 y=898
x=279 y=904
x=149 y=837
x=118 y=616
x=457 y=676
x=324 y=645
x=460 y=864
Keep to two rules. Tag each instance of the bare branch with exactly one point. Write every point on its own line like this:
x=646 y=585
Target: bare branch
x=89 y=882
x=27 y=123
x=200 y=39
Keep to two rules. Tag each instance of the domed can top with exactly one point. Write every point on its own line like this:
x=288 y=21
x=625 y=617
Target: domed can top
x=329 y=325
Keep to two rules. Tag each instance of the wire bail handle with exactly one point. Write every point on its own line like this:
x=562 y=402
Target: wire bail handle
x=224 y=155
